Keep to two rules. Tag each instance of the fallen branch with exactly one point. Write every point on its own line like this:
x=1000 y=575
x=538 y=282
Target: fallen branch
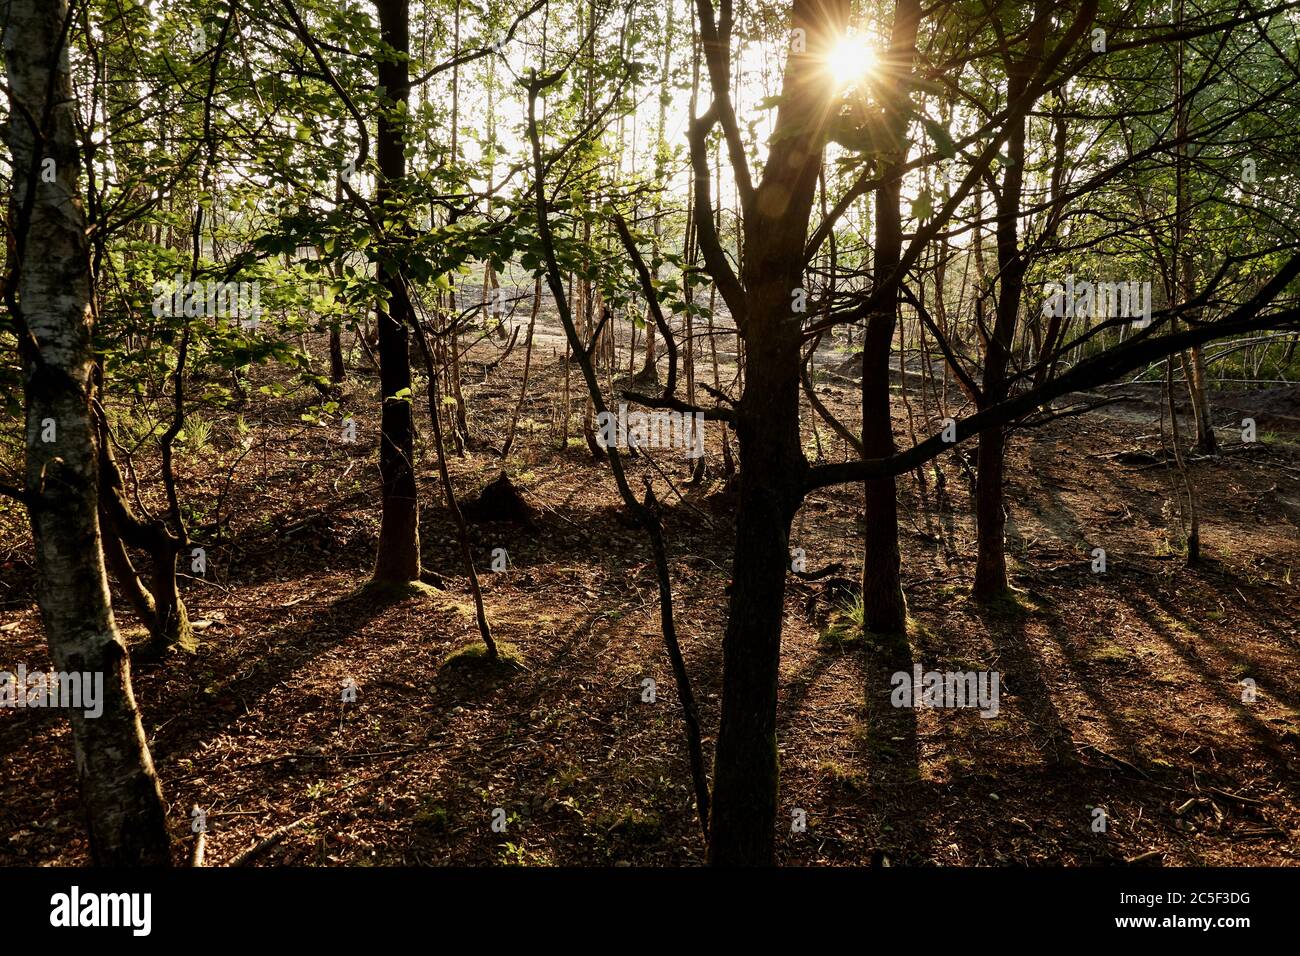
x=271 y=839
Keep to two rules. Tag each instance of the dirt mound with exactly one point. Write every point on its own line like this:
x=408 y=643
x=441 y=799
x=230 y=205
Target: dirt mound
x=500 y=500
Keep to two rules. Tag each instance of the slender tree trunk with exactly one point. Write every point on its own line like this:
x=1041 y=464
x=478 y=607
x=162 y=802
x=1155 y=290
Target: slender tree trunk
x=990 y=516
x=460 y=424
x=1192 y=512
x=51 y=305
x=528 y=363
x=647 y=514
x=648 y=371
x=490 y=279
x=884 y=608
x=1183 y=264
x=338 y=371
x=167 y=619
x=1207 y=443
x=119 y=563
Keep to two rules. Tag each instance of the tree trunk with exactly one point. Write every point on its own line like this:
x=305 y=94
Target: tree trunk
x=884 y=610
x=398 y=559
x=119 y=563
x=51 y=307
x=1184 y=267
x=1207 y=443
x=173 y=631
x=990 y=517
x=460 y=417
x=338 y=371
x=773 y=467
x=167 y=619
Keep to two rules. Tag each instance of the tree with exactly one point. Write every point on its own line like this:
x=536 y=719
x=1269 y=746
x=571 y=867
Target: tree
x=48 y=293
x=772 y=464
x=398 y=558
x=990 y=518
x=883 y=607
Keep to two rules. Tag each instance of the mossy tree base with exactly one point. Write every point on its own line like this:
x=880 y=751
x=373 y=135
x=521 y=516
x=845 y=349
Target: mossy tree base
x=390 y=592
x=475 y=657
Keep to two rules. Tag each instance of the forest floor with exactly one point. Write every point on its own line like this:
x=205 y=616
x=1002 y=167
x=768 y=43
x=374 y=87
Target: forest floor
x=1122 y=690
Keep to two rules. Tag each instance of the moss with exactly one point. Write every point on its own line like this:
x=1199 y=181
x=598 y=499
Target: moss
x=854 y=781
x=433 y=817
x=1010 y=604
x=636 y=825
x=475 y=656
x=1109 y=653
x=182 y=637
x=390 y=592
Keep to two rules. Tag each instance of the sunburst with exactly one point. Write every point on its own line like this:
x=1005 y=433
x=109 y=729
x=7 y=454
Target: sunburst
x=850 y=61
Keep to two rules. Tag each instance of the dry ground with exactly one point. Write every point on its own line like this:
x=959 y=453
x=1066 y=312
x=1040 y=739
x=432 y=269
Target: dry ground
x=1122 y=690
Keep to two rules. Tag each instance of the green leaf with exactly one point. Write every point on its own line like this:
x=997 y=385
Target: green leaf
x=923 y=206
x=943 y=140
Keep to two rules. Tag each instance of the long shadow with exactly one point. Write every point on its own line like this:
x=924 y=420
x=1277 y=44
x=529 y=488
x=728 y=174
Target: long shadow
x=288 y=648
x=1022 y=675
x=1220 y=685
x=893 y=752
x=1055 y=514
x=535 y=769
x=1221 y=585
x=332 y=623
x=796 y=690
x=947 y=521
x=1080 y=670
